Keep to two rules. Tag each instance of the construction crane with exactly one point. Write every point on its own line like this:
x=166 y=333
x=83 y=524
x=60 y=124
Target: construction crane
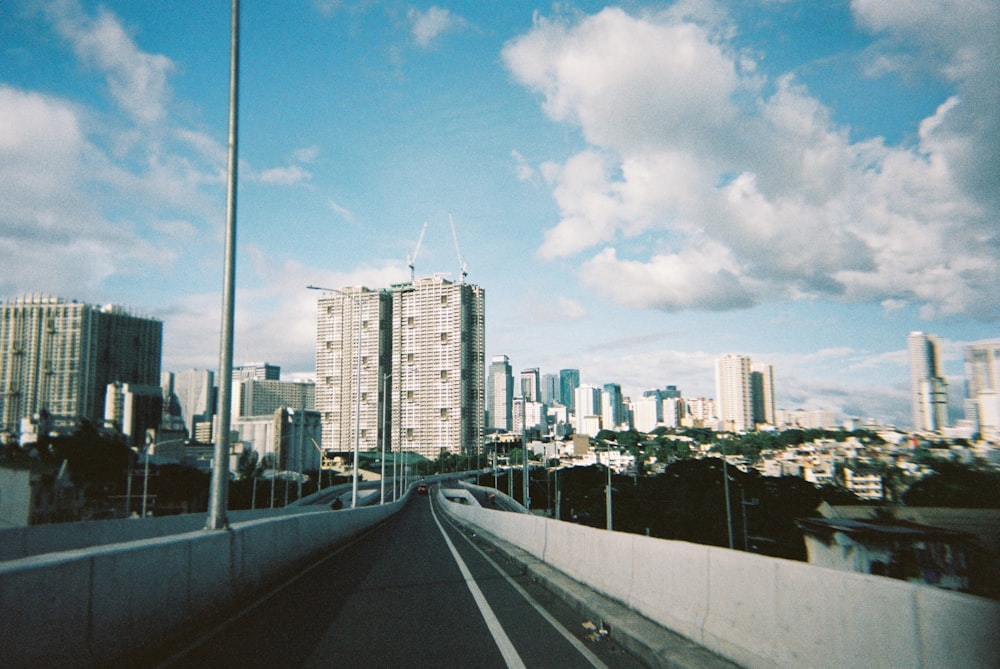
x=461 y=261
x=412 y=259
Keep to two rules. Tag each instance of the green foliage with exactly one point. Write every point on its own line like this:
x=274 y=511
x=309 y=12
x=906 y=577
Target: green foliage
x=956 y=486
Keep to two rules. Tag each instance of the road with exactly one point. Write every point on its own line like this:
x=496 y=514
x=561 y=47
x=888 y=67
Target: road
x=414 y=592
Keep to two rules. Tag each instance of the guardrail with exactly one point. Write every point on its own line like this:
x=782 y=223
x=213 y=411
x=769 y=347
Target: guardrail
x=758 y=611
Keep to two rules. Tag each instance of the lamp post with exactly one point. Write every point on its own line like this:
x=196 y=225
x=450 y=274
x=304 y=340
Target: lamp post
x=385 y=400
x=357 y=409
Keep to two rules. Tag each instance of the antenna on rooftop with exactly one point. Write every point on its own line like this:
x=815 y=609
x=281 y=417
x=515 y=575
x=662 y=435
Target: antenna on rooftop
x=410 y=260
x=462 y=265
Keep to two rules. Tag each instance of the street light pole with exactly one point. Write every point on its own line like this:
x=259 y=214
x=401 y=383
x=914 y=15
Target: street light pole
x=385 y=400
x=219 y=493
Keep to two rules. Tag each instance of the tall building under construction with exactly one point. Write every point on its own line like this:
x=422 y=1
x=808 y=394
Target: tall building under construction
x=406 y=364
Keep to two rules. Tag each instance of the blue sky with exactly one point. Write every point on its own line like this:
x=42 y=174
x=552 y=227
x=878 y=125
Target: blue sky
x=640 y=188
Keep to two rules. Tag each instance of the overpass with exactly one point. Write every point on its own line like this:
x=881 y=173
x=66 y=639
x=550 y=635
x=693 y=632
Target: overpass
x=438 y=580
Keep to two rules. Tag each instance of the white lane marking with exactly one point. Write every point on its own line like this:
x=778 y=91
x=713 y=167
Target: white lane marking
x=575 y=642
x=503 y=642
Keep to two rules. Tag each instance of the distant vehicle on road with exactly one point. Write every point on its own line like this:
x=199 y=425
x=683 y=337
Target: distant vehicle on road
x=421 y=489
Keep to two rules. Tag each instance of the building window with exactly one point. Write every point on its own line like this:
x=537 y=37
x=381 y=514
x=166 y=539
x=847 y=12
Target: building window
x=444 y=374
x=444 y=413
x=409 y=395
x=444 y=336
x=409 y=433
x=329 y=380
x=364 y=360
x=409 y=357
x=444 y=299
x=364 y=397
x=409 y=321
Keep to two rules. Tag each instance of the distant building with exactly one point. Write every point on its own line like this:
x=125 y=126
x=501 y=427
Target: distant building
x=863 y=482
x=588 y=410
x=531 y=385
x=733 y=393
x=928 y=389
x=612 y=407
x=133 y=409
x=500 y=395
x=259 y=397
x=569 y=381
x=762 y=390
x=197 y=397
x=550 y=388
x=648 y=413
x=58 y=357
x=258 y=371
x=982 y=377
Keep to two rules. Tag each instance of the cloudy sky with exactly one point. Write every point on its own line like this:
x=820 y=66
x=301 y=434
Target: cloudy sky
x=640 y=188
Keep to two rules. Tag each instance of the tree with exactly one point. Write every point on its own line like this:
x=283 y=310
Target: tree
x=956 y=486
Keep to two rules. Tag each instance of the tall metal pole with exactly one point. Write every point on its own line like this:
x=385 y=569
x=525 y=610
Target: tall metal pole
x=357 y=410
x=608 y=498
x=524 y=454
x=219 y=493
x=385 y=399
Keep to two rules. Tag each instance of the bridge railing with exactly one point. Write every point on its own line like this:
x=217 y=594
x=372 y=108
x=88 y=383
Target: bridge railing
x=759 y=611
x=97 y=606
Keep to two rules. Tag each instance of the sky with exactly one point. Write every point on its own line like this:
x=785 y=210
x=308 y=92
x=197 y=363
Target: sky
x=640 y=189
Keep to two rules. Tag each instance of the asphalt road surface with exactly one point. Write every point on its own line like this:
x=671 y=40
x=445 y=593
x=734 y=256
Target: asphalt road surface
x=414 y=592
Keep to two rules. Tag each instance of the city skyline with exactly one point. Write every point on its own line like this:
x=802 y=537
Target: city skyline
x=636 y=223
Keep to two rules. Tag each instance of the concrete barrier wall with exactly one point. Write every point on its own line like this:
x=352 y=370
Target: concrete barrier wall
x=759 y=611
x=94 y=607
x=20 y=542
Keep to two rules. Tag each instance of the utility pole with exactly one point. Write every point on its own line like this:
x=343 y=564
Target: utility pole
x=219 y=493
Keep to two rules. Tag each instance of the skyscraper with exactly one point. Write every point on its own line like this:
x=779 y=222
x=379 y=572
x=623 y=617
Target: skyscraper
x=928 y=389
x=733 y=393
x=550 y=388
x=569 y=381
x=588 y=410
x=531 y=385
x=258 y=371
x=196 y=396
x=59 y=357
x=762 y=390
x=500 y=395
x=982 y=378
x=611 y=406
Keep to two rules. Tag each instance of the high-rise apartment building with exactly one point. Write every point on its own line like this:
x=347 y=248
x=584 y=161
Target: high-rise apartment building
x=500 y=395
x=762 y=390
x=928 y=389
x=569 y=381
x=59 y=356
x=734 y=399
x=353 y=356
x=438 y=365
x=531 y=384
x=588 y=410
x=424 y=342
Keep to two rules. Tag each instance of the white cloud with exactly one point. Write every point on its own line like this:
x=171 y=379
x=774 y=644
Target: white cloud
x=427 y=26
x=524 y=171
x=137 y=80
x=284 y=176
x=742 y=196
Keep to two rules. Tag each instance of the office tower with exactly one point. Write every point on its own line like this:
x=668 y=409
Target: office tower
x=438 y=366
x=569 y=381
x=588 y=409
x=762 y=389
x=550 y=388
x=982 y=378
x=196 y=395
x=673 y=411
x=500 y=395
x=259 y=371
x=531 y=385
x=262 y=397
x=58 y=357
x=612 y=410
x=353 y=355
x=733 y=394
x=928 y=389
